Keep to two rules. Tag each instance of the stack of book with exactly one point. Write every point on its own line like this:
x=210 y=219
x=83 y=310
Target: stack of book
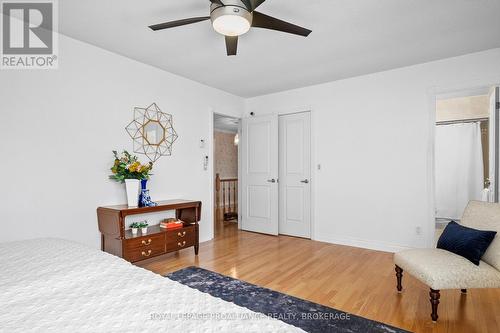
x=169 y=224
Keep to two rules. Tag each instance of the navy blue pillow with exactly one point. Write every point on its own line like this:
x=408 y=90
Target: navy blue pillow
x=466 y=242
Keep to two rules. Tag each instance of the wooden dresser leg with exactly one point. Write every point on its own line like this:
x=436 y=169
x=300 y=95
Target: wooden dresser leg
x=197 y=240
x=435 y=295
x=399 y=278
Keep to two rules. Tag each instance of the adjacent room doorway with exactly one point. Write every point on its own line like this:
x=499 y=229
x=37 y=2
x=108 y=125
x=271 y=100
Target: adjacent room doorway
x=466 y=151
x=276 y=174
x=225 y=166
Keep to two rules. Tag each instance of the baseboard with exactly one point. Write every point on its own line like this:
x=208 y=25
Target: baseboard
x=362 y=243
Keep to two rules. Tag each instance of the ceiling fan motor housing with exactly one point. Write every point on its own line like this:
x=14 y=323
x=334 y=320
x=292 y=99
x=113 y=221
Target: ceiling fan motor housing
x=230 y=8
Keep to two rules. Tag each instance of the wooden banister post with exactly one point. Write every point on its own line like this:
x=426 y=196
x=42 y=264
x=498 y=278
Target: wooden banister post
x=229 y=196
x=224 y=197
x=235 y=208
x=217 y=196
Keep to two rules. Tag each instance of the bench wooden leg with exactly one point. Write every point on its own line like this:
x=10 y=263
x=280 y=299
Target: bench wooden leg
x=399 y=278
x=435 y=295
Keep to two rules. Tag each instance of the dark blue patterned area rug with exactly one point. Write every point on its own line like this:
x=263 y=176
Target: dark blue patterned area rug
x=308 y=316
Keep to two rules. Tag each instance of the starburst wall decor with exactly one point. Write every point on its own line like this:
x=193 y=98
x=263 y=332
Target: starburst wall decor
x=152 y=132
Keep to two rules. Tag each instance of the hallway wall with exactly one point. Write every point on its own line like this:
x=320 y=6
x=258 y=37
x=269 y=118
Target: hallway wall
x=226 y=155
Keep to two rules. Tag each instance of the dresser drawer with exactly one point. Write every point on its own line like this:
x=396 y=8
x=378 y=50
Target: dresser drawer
x=144 y=247
x=180 y=239
x=144 y=241
x=146 y=252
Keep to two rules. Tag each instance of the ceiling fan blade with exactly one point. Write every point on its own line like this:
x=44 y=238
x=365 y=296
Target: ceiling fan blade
x=217 y=2
x=268 y=22
x=178 y=23
x=231 y=45
x=248 y=4
x=256 y=3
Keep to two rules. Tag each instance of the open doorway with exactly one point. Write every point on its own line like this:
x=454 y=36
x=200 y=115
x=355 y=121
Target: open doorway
x=226 y=144
x=466 y=152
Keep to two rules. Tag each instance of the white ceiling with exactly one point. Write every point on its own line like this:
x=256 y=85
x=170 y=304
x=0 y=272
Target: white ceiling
x=350 y=38
x=226 y=124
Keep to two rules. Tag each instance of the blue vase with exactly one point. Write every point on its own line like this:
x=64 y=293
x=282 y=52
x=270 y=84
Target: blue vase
x=144 y=183
x=144 y=197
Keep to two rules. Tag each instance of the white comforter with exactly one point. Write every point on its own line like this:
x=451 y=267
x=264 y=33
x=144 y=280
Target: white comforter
x=53 y=285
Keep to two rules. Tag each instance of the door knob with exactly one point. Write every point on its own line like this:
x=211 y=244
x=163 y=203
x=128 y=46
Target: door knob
x=271 y=180
x=305 y=181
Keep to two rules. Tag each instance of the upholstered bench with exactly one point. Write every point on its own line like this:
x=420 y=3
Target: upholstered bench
x=440 y=269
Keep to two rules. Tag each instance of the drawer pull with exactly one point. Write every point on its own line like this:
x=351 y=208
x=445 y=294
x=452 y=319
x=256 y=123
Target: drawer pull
x=144 y=254
x=182 y=244
x=146 y=243
x=181 y=234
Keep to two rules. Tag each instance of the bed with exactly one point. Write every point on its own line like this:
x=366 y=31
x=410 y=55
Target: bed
x=54 y=285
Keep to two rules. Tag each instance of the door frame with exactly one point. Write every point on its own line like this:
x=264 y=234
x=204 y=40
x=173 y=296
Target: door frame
x=432 y=93
x=314 y=170
x=211 y=165
x=496 y=107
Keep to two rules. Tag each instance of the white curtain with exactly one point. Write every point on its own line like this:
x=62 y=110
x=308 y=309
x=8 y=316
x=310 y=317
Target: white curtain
x=459 y=168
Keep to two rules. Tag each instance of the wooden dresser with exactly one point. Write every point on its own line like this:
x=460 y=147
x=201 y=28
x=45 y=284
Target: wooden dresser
x=115 y=239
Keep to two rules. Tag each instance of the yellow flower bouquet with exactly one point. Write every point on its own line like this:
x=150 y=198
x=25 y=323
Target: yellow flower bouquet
x=127 y=166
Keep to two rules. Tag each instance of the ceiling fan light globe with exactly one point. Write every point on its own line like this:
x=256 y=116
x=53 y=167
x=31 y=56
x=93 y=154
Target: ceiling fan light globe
x=231 y=20
x=231 y=25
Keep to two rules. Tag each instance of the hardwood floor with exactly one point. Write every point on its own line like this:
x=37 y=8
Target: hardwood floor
x=355 y=280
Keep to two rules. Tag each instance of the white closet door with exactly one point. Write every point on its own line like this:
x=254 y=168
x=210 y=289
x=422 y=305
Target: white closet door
x=260 y=174
x=494 y=144
x=295 y=175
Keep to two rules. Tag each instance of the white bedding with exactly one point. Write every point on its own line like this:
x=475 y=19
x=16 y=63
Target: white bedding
x=53 y=285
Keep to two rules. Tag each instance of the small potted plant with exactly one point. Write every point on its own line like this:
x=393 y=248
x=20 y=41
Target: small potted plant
x=134 y=227
x=144 y=227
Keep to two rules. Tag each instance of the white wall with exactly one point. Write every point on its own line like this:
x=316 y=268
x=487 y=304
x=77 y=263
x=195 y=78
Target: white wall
x=373 y=138
x=58 y=128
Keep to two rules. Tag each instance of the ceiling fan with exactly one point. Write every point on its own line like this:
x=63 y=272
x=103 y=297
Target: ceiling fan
x=233 y=18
